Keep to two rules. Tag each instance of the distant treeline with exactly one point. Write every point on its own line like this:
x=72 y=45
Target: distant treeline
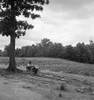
x=80 y=53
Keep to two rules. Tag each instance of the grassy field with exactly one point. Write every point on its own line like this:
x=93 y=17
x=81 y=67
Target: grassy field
x=58 y=80
x=54 y=65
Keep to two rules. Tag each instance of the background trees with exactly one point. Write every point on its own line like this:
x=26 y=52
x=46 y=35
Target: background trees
x=80 y=53
x=1 y=53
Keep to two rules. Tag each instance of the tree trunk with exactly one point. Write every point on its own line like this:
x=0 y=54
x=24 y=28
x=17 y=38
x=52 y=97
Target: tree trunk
x=12 y=63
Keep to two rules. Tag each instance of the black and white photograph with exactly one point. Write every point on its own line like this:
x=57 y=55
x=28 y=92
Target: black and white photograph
x=46 y=49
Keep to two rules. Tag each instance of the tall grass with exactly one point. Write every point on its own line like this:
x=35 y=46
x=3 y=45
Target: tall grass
x=55 y=64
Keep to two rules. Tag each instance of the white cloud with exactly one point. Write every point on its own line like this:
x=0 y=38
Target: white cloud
x=65 y=21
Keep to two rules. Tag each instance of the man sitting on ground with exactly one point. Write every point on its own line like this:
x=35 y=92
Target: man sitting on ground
x=31 y=67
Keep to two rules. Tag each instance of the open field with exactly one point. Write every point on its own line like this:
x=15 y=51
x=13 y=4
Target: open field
x=54 y=65
x=58 y=80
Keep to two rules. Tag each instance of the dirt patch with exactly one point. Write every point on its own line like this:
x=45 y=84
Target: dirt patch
x=45 y=86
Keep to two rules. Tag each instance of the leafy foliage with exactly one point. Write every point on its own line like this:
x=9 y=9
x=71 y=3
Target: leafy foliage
x=10 y=9
x=80 y=53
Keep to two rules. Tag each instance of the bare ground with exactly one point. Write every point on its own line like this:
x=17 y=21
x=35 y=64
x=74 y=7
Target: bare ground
x=45 y=86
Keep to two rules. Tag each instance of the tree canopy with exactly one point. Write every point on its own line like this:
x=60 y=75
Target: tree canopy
x=10 y=9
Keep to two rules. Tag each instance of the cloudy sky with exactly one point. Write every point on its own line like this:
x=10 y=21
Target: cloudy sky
x=64 y=21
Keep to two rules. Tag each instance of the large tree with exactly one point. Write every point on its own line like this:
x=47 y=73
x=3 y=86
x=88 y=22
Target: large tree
x=10 y=26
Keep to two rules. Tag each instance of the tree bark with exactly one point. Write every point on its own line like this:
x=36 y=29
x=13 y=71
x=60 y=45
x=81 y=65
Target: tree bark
x=12 y=62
